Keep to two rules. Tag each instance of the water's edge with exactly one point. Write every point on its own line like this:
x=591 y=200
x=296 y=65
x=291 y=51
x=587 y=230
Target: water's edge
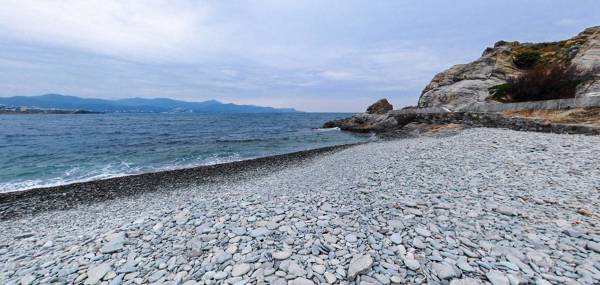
x=56 y=150
x=15 y=204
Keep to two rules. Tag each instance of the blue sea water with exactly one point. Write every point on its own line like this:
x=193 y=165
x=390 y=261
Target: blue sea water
x=48 y=150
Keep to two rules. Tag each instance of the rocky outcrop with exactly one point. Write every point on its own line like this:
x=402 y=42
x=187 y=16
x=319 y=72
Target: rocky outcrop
x=380 y=107
x=364 y=123
x=588 y=58
x=376 y=119
x=466 y=84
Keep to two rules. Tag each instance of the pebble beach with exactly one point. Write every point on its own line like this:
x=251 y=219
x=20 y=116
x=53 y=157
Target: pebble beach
x=485 y=206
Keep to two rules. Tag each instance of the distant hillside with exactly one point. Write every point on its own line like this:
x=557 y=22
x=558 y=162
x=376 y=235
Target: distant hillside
x=134 y=105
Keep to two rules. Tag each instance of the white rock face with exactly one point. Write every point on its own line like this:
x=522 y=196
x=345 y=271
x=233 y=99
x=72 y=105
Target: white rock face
x=588 y=58
x=464 y=84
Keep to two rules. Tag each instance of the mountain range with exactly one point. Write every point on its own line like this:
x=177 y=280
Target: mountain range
x=133 y=105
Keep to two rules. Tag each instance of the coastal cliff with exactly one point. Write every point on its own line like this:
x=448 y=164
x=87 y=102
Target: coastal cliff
x=466 y=88
x=465 y=84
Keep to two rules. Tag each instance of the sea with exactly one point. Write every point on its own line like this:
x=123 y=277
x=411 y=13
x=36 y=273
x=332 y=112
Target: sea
x=56 y=149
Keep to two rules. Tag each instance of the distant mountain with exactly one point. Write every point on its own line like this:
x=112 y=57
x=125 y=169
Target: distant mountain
x=134 y=105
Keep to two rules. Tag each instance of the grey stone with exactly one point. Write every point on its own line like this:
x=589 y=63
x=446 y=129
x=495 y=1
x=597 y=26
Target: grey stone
x=359 y=265
x=595 y=246
x=412 y=264
x=444 y=270
x=112 y=247
x=259 y=232
x=423 y=232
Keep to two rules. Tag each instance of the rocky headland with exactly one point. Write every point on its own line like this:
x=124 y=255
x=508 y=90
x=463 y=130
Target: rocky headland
x=466 y=84
x=458 y=95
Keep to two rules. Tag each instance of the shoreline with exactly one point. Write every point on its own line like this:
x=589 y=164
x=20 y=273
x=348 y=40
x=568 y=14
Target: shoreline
x=431 y=209
x=18 y=203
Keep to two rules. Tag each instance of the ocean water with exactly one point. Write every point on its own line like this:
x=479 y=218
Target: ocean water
x=49 y=150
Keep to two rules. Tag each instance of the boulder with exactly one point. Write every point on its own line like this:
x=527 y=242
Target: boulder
x=377 y=118
x=380 y=107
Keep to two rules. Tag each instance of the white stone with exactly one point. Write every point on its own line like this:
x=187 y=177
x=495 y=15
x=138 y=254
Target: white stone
x=329 y=277
x=444 y=270
x=595 y=246
x=466 y=281
x=497 y=277
x=412 y=264
x=95 y=273
x=259 y=232
x=506 y=211
x=301 y=281
x=295 y=269
x=283 y=254
x=396 y=238
x=240 y=269
x=27 y=279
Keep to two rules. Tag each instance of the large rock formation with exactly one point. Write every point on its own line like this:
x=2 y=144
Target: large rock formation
x=364 y=123
x=466 y=84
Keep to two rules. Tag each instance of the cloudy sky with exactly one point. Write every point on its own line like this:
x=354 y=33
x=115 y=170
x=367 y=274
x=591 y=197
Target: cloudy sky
x=321 y=55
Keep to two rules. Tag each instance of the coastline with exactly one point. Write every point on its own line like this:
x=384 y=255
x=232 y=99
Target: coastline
x=429 y=209
x=15 y=204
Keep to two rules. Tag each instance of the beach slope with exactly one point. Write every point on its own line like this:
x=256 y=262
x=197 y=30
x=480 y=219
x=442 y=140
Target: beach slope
x=486 y=205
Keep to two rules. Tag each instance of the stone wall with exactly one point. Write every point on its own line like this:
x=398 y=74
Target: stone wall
x=559 y=104
x=432 y=110
x=494 y=120
x=534 y=105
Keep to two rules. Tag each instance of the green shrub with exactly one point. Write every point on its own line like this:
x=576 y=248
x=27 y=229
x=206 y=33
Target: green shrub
x=527 y=59
x=500 y=92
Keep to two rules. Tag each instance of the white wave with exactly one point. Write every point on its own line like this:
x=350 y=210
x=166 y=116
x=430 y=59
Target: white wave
x=328 y=129
x=79 y=174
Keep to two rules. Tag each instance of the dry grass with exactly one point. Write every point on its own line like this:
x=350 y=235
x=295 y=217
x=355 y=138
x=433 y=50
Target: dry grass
x=446 y=127
x=578 y=116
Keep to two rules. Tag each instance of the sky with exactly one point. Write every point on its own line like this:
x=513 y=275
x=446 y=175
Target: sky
x=321 y=55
